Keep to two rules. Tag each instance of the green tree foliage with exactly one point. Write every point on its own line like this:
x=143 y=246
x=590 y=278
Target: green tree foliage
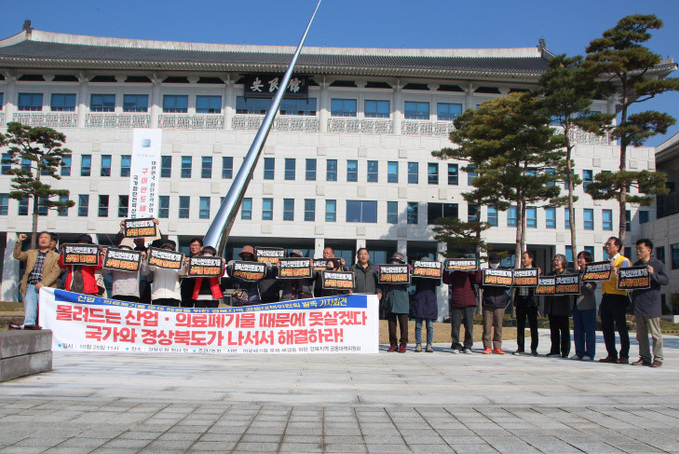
x=36 y=153
x=566 y=92
x=632 y=71
x=508 y=142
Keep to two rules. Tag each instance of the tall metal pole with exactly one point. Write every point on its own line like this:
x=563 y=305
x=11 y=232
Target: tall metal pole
x=218 y=232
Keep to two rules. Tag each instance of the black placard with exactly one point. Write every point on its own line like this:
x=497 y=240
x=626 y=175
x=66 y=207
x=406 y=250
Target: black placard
x=526 y=277
x=122 y=260
x=597 y=271
x=140 y=228
x=633 y=278
x=462 y=265
x=297 y=268
x=205 y=266
x=394 y=274
x=567 y=284
x=546 y=285
x=80 y=254
x=269 y=254
x=497 y=278
x=426 y=269
x=338 y=280
x=161 y=258
x=248 y=271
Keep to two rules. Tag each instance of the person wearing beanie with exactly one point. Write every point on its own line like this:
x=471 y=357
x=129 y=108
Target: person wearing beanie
x=397 y=305
x=424 y=308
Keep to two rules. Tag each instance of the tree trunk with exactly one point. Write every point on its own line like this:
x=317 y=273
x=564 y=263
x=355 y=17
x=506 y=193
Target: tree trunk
x=622 y=227
x=622 y=198
x=571 y=208
x=34 y=228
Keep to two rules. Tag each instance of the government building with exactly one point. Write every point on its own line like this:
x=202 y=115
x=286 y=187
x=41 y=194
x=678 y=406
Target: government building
x=347 y=164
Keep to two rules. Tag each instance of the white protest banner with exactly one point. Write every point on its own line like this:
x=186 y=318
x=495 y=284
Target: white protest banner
x=335 y=324
x=144 y=173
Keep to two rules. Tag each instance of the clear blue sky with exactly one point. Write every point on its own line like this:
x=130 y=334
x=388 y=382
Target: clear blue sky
x=566 y=26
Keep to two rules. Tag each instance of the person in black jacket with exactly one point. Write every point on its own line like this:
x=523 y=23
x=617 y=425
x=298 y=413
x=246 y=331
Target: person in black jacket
x=526 y=306
x=494 y=302
x=558 y=309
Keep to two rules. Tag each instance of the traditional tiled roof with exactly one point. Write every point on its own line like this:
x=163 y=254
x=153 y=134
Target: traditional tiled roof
x=51 y=50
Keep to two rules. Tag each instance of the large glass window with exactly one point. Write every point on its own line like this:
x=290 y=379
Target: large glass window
x=227 y=167
x=175 y=103
x=2 y=100
x=643 y=216
x=257 y=106
x=165 y=166
x=392 y=172
x=343 y=107
x=30 y=102
x=23 y=207
x=376 y=109
x=102 y=103
x=373 y=168
x=607 y=219
x=441 y=210
x=433 y=173
x=289 y=168
x=588 y=218
x=204 y=208
x=105 y=165
x=103 y=206
x=531 y=217
x=392 y=212
x=472 y=213
x=660 y=253
x=448 y=112
x=6 y=163
x=186 y=166
x=208 y=104
x=331 y=170
x=310 y=174
x=298 y=107
x=65 y=166
x=675 y=256
x=85 y=165
x=135 y=103
x=587 y=178
x=416 y=110
x=413 y=214
x=288 y=209
x=269 y=168
x=413 y=168
x=566 y=218
x=184 y=206
x=63 y=211
x=267 y=209
x=352 y=170
x=164 y=206
x=125 y=163
x=330 y=210
x=628 y=221
x=550 y=217
x=206 y=167
x=246 y=209
x=83 y=205
x=453 y=174
x=492 y=216
x=4 y=204
x=63 y=102
x=123 y=205
x=310 y=210
x=511 y=216
x=362 y=211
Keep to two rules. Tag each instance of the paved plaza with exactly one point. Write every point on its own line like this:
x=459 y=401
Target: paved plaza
x=383 y=403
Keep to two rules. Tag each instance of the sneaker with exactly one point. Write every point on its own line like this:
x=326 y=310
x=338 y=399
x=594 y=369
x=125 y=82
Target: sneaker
x=456 y=351
x=498 y=351
x=640 y=362
x=623 y=360
x=564 y=356
x=418 y=348
x=656 y=363
x=534 y=352
x=15 y=326
x=393 y=348
x=518 y=352
x=587 y=358
x=487 y=351
x=429 y=349
x=402 y=349
x=32 y=327
x=608 y=359
x=467 y=350
x=549 y=355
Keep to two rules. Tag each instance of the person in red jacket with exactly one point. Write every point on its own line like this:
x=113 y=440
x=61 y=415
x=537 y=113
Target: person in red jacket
x=80 y=278
x=206 y=291
x=463 y=306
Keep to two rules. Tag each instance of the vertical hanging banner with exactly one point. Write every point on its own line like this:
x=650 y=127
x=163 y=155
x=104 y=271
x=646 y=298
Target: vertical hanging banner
x=333 y=324
x=144 y=173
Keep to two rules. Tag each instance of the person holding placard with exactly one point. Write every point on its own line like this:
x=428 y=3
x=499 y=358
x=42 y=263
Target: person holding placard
x=462 y=306
x=206 y=290
x=247 y=291
x=424 y=308
x=298 y=289
x=613 y=307
x=494 y=302
x=397 y=306
x=558 y=309
x=187 y=284
x=165 y=289
x=125 y=285
x=584 y=314
x=366 y=275
x=648 y=306
x=80 y=278
x=526 y=307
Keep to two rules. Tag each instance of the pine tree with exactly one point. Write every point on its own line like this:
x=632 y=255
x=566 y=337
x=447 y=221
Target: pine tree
x=36 y=153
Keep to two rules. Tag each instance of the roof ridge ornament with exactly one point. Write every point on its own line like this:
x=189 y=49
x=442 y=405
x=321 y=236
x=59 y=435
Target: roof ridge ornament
x=27 y=28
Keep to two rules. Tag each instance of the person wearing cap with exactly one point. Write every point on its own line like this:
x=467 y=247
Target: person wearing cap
x=297 y=289
x=42 y=269
x=494 y=302
x=397 y=305
x=165 y=289
x=462 y=306
x=125 y=285
x=81 y=278
x=188 y=284
x=246 y=292
x=206 y=290
x=424 y=308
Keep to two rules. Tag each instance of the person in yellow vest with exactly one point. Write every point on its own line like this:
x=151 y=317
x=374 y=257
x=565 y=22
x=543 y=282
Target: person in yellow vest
x=613 y=308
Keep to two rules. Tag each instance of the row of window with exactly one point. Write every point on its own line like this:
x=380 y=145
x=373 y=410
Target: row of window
x=212 y=104
x=550 y=218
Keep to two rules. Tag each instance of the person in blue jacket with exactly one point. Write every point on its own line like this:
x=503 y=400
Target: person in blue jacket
x=424 y=308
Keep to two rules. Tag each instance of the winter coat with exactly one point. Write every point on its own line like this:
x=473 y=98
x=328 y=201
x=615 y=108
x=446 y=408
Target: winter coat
x=558 y=306
x=396 y=300
x=423 y=304
x=366 y=279
x=50 y=270
x=89 y=281
x=494 y=296
x=165 y=283
x=462 y=291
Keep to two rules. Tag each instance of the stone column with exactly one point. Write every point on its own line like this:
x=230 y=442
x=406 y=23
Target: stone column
x=319 y=245
x=229 y=104
x=397 y=109
x=11 y=100
x=83 y=105
x=156 y=100
x=323 y=107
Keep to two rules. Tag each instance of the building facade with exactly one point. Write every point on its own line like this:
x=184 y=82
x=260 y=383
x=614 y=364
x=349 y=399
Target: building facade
x=347 y=164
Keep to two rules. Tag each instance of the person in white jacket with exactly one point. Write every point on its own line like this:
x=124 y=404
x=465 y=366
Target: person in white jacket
x=165 y=289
